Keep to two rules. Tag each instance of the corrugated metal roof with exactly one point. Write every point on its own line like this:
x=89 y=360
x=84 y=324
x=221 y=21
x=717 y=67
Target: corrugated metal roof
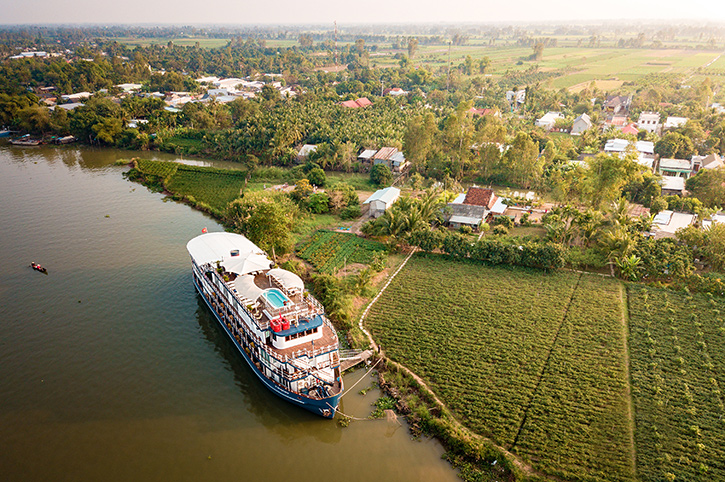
x=387 y=195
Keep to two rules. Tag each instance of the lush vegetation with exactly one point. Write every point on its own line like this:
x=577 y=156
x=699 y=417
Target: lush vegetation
x=548 y=383
x=206 y=188
x=329 y=251
x=678 y=360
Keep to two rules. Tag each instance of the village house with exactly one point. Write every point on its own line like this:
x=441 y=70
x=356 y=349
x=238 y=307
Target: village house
x=354 y=104
x=649 y=121
x=644 y=149
x=666 y=223
x=673 y=185
x=674 y=122
x=77 y=97
x=366 y=156
x=711 y=161
x=516 y=99
x=391 y=157
x=381 y=200
x=615 y=120
x=630 y=128
x=675 y=167
x=472 y=208
x=617 y=104
x=548 y=120
x=395 y=91
x=305 y=151
x=581 y=124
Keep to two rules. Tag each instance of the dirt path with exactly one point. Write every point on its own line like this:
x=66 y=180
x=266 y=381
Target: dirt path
x=628 y=386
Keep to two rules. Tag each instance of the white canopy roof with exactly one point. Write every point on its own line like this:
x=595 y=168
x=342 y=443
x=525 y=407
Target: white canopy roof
x=249 y=264
x=212 y=247
x=246 y=288
x=288 y=279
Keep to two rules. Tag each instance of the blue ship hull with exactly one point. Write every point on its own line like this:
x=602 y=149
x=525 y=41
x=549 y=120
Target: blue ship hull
x=325 y=407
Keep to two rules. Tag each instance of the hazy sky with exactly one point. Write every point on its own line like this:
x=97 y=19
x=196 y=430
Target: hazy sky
x=347 y=12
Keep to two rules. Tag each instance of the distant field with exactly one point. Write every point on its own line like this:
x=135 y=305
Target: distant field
x=608 y=65
x=208 y=43
x=536 y=361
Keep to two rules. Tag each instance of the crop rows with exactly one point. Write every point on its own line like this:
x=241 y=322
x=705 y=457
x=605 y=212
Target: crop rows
x=329 y=251
x=483 y=338
x=578 y=424
x=678 y=368
x=479 y=335
x=162 y=169
x=213 y=187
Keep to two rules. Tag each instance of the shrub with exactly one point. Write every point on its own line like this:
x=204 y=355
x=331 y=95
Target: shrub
x=500 y=230
x=317 y=177
x=503 y=221
x=380 y=175
x=465 y=230
x=351 y=212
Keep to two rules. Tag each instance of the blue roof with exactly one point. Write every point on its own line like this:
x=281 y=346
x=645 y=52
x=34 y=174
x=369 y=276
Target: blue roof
x=303 y=325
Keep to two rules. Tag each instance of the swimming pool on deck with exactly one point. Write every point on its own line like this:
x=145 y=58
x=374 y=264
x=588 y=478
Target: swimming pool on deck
x=275 y=298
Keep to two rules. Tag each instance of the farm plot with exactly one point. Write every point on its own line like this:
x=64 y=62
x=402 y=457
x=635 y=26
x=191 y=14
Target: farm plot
x=677 y=345
x=484 y=339
x=214 y=187
x=578 y=426
x=329 y=251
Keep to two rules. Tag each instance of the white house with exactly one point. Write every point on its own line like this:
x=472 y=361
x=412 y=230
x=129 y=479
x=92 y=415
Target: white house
x=673 y=185
x=381 y=200
x=581 y=124
x=548 y=120
x=668 y=222
x=675 y=167
x=673 y=122
x=305 y=151
x=649 y=121
x=76 y=97
x=129 y=87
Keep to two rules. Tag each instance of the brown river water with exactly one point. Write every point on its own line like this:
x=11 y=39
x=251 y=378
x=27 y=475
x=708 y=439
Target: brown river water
x=111 y=367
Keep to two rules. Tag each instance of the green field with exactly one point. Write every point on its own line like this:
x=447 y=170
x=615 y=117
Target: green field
x=329 y=251
x=215 y=188
x=678 y=369
x=520 y=356
x=208 y=43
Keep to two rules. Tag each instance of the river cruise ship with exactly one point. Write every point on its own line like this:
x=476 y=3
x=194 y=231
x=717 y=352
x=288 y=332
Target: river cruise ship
x=277 y=326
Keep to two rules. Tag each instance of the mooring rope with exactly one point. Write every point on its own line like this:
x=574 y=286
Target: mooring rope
x=361 y=378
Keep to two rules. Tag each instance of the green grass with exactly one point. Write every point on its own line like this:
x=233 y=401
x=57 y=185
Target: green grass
x=501 y=350
x=214 y=188
x=678 y=368
x=329 y=251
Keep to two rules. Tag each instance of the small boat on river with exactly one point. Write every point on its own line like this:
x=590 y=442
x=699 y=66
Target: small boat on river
x=25 y=140
x=280 y=330
x=37 y=267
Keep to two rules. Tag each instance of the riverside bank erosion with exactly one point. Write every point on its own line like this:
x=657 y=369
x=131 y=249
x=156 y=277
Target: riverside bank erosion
x=151 y=386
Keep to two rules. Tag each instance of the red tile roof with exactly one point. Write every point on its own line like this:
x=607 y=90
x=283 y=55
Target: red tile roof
x=630 y=129
x=478 y=196
x=354 y=104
